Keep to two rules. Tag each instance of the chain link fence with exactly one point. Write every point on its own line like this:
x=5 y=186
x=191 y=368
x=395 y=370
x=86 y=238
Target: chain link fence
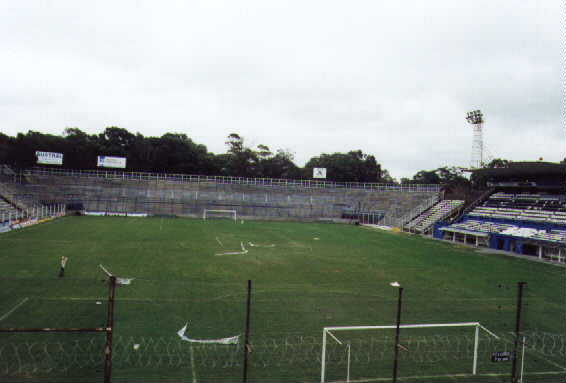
x=286 y=323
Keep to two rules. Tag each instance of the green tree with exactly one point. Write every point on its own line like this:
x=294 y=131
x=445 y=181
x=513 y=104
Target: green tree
x=426 y=177
x=263 y=152
x=80 y=150
x=387 y=178
x=280 y=166
x=456 y=186
x=354 y=166
x=497 y=163
x=116 y=141
x=24 y=146
x=444 y=175
x=5 y=148
x=243 y=161
x=235 y=143
x=177 y=153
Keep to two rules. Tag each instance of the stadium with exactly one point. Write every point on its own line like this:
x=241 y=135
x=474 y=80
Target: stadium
x=191 y=278
x=282 y=192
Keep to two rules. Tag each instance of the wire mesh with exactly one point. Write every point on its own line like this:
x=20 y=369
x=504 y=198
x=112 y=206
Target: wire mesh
x=51 y=357
x=286 y=332
x=371 y=356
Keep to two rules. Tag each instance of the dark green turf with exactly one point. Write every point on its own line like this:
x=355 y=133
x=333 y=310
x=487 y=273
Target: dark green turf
x=315 y=275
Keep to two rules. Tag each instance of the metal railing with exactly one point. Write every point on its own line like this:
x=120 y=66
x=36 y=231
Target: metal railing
x=428 y=222
x=418 y=210
x=267 y=182
x=484 y=196
x=11 y=217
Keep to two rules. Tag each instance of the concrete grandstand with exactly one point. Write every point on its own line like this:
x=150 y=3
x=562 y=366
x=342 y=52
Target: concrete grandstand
x=185 y=195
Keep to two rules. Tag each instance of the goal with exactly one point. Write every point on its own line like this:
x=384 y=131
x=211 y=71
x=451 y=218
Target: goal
x=215 y=214
x=386 y=348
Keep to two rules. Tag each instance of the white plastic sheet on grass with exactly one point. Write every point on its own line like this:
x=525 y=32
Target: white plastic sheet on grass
x=230 y=340
x=119 y=280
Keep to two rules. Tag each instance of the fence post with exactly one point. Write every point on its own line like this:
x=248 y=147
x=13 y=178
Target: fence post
x=520 y=286
x=397 y=333
x=247 y=335
x=109 y=330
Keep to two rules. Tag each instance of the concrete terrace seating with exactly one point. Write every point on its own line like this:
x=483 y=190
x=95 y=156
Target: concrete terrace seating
x=426 y=220
x=186 y=198
x=6 y=171
x=5 y=207
x=7 y=211
x=12 y=194
x=421 y=208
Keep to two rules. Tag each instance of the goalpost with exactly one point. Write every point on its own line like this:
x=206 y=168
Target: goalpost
x=328 y=331
x=210 y=213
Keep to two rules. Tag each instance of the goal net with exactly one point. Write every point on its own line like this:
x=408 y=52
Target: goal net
x=219 y=214
x=365 y=353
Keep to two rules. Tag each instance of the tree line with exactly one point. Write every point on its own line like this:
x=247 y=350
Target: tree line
x=177 y=153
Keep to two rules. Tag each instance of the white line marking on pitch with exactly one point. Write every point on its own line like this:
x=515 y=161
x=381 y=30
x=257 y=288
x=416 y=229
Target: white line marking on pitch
x=193 y=366
x=13 y=309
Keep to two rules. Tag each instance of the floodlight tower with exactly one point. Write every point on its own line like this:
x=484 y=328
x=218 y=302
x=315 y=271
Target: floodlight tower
x=475 y=117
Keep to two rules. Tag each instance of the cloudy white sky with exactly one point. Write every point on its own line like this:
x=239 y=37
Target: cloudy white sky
x=392 y=78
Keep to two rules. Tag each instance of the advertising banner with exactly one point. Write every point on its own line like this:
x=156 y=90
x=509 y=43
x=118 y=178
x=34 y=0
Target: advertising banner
x=49 y=158
x=319 y=173
x=111 y=162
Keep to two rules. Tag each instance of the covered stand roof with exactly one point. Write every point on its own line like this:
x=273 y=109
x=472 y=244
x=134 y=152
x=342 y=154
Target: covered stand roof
x=545 y=174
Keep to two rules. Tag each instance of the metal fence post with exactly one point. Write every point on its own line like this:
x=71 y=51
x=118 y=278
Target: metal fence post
x=520 y=286
x=247 y=335
x=397 y=336
x=110 y=330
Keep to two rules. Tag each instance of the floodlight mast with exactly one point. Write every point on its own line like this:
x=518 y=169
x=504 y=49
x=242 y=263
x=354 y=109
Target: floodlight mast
x=475 y=118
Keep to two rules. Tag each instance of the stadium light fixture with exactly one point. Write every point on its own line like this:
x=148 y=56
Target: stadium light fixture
x=475 y=118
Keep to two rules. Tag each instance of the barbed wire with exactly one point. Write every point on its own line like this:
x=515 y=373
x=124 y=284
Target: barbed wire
x=31 y=358
x=19 y=358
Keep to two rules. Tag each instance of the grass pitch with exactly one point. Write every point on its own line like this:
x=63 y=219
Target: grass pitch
x=305 y=277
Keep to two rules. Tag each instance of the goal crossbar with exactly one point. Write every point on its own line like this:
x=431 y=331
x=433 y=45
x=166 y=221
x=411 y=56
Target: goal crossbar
x=462 y=324
x=328 y=331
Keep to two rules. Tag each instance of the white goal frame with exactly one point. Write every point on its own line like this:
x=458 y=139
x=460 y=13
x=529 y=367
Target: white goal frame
x=233 y=213
x=328 y=331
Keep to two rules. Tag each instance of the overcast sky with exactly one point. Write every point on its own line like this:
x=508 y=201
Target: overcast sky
x=392 y=78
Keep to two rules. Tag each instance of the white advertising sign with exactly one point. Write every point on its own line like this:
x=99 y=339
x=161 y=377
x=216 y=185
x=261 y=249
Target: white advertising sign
x=49 y=158
x=111 y=162
x=319 y=173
